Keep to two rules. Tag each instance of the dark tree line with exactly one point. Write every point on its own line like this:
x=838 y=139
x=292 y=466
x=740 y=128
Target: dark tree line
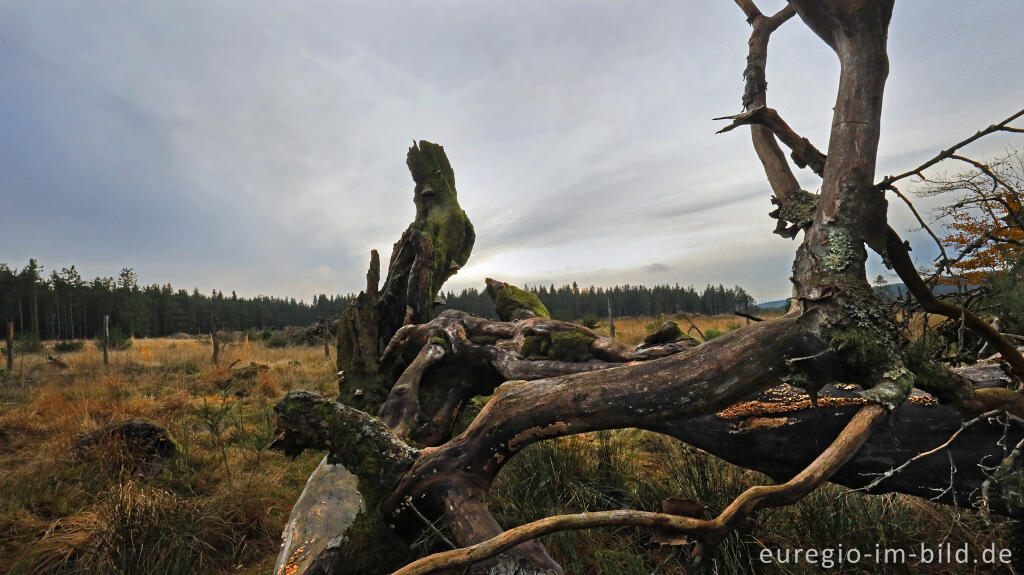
x=570 y=302
x=64 y=305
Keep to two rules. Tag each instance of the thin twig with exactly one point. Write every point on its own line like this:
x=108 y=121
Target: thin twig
x=944 y=445
x=1003 y=468
x=429 y=524
x=920 y=220
x=694 y=326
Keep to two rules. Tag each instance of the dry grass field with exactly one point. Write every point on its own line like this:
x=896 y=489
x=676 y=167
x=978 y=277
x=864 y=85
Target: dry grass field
x=220 y=505
x=632 y=330
x=218 y=508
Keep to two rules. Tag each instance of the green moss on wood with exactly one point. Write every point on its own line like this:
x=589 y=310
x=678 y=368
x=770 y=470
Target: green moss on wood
x=667 y=333
x=861 y=346
x=562 y=345
x=947 y=387
x=570 y=346
x=535 y=347
x=512 y=303
x=439 y=218
x=371 y=547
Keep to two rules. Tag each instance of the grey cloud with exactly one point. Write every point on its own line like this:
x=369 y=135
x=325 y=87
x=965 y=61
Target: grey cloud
x=243 y=146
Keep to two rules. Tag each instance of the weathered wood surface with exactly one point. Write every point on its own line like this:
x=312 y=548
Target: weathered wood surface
x=779 y=433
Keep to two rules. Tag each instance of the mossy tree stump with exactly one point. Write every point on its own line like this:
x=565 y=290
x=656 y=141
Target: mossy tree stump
x=433 y=248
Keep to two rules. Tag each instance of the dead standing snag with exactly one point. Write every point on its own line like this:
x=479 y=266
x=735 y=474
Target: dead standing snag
x=562 y=379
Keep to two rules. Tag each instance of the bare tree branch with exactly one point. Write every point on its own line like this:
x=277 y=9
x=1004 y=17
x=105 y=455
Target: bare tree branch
x=776 y=167
x=924 y=225
x=402 y=407
x=803 y=152
x=896 y=254
x=948 y=153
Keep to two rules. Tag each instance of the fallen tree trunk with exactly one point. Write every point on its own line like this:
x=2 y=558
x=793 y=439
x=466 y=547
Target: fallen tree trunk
x=451 y=480
x=706 y=396
x=750 y=434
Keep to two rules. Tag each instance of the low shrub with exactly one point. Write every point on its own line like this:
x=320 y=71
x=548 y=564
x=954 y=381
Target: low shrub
x=276 y=340
x=29 y=343
x=68 y=345
x=119 y=340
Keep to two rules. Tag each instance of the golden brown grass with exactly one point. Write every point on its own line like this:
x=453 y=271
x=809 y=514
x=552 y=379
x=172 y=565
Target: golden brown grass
x=218 y=508
x=633 y=330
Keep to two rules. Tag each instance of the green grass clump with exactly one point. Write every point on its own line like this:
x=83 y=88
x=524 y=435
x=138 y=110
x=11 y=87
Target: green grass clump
x=67 y=346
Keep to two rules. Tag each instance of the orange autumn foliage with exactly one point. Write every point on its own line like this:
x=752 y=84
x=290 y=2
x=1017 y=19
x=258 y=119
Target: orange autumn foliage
x=985 y=222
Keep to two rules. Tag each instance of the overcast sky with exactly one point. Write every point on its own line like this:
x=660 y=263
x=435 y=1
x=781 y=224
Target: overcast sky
x=260 y=146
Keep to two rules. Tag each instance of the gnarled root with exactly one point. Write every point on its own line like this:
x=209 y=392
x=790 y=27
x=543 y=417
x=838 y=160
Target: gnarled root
x=846 y=444
x=479 y=355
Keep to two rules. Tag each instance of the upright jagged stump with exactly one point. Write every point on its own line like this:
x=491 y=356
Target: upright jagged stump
x=432 y=249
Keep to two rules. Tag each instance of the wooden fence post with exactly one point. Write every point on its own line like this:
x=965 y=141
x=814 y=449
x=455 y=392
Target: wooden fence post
x=10 y=346
x=611 y=320
x=106 y=339
x=327 y=339
x=216 y=342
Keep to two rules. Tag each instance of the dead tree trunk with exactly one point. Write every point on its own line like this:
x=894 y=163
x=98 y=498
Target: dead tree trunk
x=433 y=248
x=561 y=379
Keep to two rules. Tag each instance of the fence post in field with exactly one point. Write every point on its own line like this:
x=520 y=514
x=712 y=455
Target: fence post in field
x=216 y=342
x=10 y=346
x=611 y=320
x=327 y=339
x=106 y=339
